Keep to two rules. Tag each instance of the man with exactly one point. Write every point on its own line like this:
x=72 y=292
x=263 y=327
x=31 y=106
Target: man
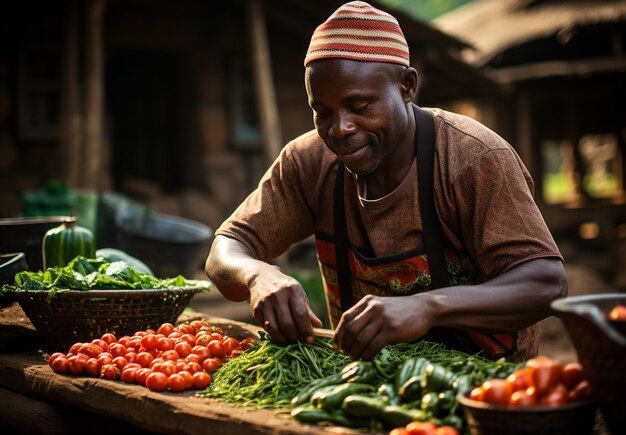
x=430 y=232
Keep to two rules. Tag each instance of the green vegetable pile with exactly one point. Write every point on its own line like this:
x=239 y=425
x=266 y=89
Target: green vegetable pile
x=405 y=382
x=95 y=274
x=267 y=375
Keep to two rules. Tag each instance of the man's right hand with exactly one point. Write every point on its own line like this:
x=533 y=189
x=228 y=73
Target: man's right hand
x=280 y=305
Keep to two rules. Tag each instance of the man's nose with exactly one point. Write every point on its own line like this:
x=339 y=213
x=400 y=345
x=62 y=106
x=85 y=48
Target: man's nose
x=342 y=125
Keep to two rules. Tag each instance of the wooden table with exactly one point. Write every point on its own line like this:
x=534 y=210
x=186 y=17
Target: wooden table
x=33 y=399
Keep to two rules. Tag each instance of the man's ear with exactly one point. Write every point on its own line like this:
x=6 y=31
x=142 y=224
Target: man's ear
x=408 y=83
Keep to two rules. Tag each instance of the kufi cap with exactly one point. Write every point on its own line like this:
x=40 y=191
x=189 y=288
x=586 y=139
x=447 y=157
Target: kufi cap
x=359 y=31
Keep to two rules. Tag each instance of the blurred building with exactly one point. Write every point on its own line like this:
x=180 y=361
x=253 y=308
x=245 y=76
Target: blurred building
x=179 y=104
x=564 y=65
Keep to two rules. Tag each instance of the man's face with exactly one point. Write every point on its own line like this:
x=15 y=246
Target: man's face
x=359 y=110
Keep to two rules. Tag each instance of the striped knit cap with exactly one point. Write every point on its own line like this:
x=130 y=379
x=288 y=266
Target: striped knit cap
x=359 y=31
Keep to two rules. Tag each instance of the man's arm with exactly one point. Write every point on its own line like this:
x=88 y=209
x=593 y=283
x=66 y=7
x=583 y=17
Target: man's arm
x=512 y=301
x=277 y=300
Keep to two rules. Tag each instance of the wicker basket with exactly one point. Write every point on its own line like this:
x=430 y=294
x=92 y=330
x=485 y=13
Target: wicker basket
x=74 y=316
x=569 y=419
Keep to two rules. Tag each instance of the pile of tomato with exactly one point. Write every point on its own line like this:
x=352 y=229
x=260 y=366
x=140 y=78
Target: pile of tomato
x=424 y=428
x=542 y=381
x=174 y=358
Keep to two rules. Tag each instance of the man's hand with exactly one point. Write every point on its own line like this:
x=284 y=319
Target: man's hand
x=280 y=305
x=375 y=322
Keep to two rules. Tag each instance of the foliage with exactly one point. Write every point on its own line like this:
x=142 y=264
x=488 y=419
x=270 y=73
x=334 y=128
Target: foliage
x=95 y=274
x=424 y=9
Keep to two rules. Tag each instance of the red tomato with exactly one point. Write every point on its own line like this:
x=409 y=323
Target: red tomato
x=144 y=359
x=421 y=428
x=203 y=353
x=165 y=343
x=117 y=349
x=176 y=383
x=496 y=391
x=77 y=363
x=149 y=341
x=399 y=431
x=60 y=365
x=134 y=343
x=553 y=398
x=156 y=381
x=477 y=393
x=129 y=375
x=165 y=329
x=581 y=391
x=192 y=357
x=522 y=399
x=170 y=355
x=217 y=349
x=104 y=358
x=545 y=374
x=75 y=348
x=182 y=348
x=175 y=335
x=446 y=430
x=519 y=380
x=199 y=325
x=572 y=374
x=195 y=367
x=109 y=371
x=186 y=328
x=247 y=342
x=181 y=365
x=211 y=364
x=202 y=339
x=131 y=357
x=230 y=345
x=141 y=375
x=123 y=341
x=109 y=338
x=187 y=338
x=103 y=344
x=92 y=367
x=618 y=313
x=188 y=377
x=120 y=362
x=201 y=380
x=54 y=356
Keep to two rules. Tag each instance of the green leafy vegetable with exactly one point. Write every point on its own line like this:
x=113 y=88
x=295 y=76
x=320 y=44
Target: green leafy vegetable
x=95 y=274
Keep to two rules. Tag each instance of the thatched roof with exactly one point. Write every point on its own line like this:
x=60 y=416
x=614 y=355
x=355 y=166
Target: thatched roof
x=493 y=26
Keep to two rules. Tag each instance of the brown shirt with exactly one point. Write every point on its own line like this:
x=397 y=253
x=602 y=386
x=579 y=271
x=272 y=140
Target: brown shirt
x=483 y=194
x=484 y=197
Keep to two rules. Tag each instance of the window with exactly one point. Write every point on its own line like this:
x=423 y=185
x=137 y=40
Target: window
x=38 y=93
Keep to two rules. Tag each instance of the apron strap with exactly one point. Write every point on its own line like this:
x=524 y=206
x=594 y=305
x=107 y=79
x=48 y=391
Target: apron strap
x=344 y=278
x=431 y=228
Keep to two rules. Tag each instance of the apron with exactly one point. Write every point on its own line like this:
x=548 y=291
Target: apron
x=348 y=274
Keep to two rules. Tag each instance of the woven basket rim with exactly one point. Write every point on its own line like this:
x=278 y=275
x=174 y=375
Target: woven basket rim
x=110 y=293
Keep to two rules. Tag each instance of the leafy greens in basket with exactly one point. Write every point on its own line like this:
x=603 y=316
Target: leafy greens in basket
x=96 y=274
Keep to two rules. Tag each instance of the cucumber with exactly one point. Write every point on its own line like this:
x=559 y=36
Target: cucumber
x=111 y=255
x=62 y=244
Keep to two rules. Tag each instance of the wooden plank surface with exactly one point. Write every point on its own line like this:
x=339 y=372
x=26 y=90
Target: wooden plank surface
x=27 y=374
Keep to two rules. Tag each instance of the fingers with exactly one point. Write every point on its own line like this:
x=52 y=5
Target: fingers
x=361 y=330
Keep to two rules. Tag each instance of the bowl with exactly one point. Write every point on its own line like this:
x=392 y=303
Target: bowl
x=72 y=316
x=576 y=418
x=169 y=245
x=600 y=344
x=10 y=264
